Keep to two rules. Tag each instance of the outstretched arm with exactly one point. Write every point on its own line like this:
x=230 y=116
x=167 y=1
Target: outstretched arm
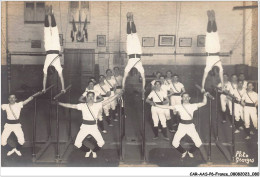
x=67 y=105
x=204 y=101
x=27 y=100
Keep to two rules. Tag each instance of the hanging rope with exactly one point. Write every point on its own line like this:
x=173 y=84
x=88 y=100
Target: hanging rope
x=237 y=40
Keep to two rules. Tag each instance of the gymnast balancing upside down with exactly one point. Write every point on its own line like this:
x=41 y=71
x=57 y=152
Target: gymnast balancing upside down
x=52 y=48
x=134 y=51
x=212 y=47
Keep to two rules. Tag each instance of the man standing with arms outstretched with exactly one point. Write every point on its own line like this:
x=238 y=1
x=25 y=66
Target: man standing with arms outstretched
x=134 y=51
x=52 y=48
x=187 y=126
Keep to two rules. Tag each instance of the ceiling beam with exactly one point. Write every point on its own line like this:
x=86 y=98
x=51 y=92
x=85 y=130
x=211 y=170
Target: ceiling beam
x=244 y=7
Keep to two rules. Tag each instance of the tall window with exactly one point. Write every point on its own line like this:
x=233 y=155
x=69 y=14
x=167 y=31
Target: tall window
x=34 y=12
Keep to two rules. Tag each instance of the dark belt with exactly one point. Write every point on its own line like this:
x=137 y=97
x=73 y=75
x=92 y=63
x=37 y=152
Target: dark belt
x=104 y=95
x=119 y=87
x=177 y=94
x=111 y=89
x=134 y=56
x=236 y=101
x=13 y=121
x=160 y=103
x=52 y=52
x=213 y=54
x=250 y=104
x=186 y=121
x=89 y=122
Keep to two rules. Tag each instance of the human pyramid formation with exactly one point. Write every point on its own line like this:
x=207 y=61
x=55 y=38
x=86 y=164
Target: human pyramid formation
x=167 y=93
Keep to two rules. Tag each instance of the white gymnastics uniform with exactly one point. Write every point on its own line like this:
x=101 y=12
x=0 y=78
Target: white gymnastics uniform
x=176 y=97
x=133 y=46
x=97 y=93
x=232 y=89
x=239 y=110
x=245 y=84
x=250 y=110
x=223 y=98
x=89 y=124
x=111 y=84
x=186 y=126
x=212 y=45
x=103 y=90
x=51 y=43
x=13 y=123
x=158 y=114
x=165 y=89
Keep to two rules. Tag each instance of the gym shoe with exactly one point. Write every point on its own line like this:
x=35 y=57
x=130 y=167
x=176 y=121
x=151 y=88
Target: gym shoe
x=104 y=131
x=110 y=125
x=190 y=154
x=248 y=137
x=115 y=120
x=88 y=153
x=236 y=131
x=183 y=154
x=224 y=121
x=252 y=133
x=10 y=152
x=94 y=155
x=241 y=128
x=17 y=152
x=155 y=138
x=128 y=16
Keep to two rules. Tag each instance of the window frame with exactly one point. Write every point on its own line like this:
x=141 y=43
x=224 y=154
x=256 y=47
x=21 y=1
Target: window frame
x=35 y=11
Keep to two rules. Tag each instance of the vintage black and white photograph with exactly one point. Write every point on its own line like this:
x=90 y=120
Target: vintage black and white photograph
x=129 y=84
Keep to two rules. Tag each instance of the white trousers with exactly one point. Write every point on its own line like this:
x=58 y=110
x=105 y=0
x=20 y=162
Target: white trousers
x=52 y=42
x=212 y=45
x=133 y=45
x=188 y=129
x=223 y=102
x=250 y=112
x=86 y=130
x=8 y=129
x=110 y=105
x=51 y=38
x=158 y=114
x=239 y=111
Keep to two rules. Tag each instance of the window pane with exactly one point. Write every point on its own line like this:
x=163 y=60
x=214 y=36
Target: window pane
x=29 y=11
x=74 y=4
x=40 y=11
x=85 y=5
